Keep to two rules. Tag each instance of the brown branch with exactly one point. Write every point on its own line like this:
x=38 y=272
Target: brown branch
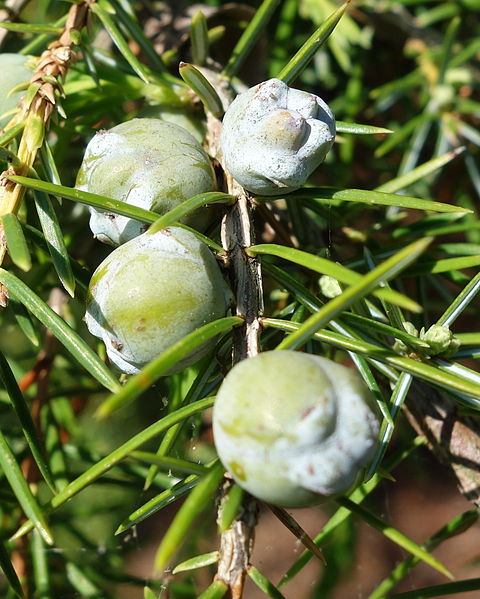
x=237 y=232
x=245 y=276
x=452 y=436
x=236 y=544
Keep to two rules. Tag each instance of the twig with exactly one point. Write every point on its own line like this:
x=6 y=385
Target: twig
x=245 y=275
x=452 y=437
x=236 y=542
x=236 y=545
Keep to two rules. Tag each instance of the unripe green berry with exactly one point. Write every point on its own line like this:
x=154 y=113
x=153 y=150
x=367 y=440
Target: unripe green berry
x=152 y=291
x=293 y=428
x=148 y=163
x=14 y=70
x=274 y=137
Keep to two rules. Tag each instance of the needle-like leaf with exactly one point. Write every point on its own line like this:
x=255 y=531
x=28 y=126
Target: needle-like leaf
x=64 y=333
x=251 y=34
x=424 y=370
x=394 y=535
x=23 y=413
x=9 y=572
x=374 y=198
x=55 y=241
x=202 y=87
x=14 y=475
x=17 y=246
x=303 y=57
x=383 y=272
x=199 y=561
x=358 y=129
x=119 y=454
x=195 y=503
x=332 y=269
x=457 y=525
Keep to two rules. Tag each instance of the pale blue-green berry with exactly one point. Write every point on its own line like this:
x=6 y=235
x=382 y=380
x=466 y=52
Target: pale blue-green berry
x=147 y=163
x=15 y=70
x=152 y=291
x=273 y=137
x=293 y=428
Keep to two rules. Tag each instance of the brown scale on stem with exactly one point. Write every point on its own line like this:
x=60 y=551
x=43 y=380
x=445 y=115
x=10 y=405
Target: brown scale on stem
x=51 y=70
x=53 y=64
x=452 y=437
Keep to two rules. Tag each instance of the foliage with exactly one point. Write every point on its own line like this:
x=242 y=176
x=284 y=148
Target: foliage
x=389 y=223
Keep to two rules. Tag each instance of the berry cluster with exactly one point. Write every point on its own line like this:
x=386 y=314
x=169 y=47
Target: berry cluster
x=291 y=428
x=154 y=288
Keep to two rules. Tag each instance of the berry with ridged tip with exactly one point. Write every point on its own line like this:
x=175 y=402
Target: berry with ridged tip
x=293 y=428
x=273 y=137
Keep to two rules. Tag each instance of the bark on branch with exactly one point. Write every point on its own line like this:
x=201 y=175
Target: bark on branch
x=452 y=436
x=236 y=543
